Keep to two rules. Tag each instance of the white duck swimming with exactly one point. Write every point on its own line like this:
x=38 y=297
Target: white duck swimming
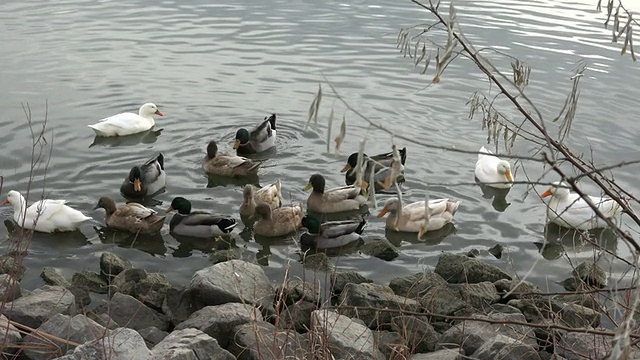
x=413 y=215
x=569 y=210
x=45 y=215
x=493 y=171
x=128 y=123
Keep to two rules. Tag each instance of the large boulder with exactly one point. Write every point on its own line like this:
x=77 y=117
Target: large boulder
x=505 y=348
x=130 y=312
x=178 y=304
x=293 y=291
x=416 y=285
x=458 y=269
x=581 y=346
x=417 y=333
x=125 y=282
x=119 y=344
x=112 y=264
x=261 y=341
x=41 y=304
x=478 y=295
x=91 y=281
x=346 y=338
x=340 y=279
x=53 y=276
x=152 y=290
x=190 y=344
x=220 y=321
x=370 y=297
x=232 y=281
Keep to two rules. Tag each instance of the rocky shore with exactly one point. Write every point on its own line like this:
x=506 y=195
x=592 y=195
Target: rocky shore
x=462 y=309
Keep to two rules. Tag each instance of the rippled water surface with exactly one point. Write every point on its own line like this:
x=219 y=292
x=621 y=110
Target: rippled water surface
x=214 y=67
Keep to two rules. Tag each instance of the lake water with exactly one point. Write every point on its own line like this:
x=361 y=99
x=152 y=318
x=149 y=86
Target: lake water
x=214 y=68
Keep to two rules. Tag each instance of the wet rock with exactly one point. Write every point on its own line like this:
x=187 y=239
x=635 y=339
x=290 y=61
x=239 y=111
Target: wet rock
x=121 y=344
x=459 y=269
x=54 y=277
x=251 y=341
x=579 y=316
x=220 y=321
x=416 y=285
x=318 y=262
x=152 y=290
x=444 y=354
x=8 y=265
x=126 y=281
x=346 y=338
x=442 y=300
x=218 y=256
x=232 y=281
x=41 y=304
x=9 y=336
x=390 y=344
x=382 y=249
x=591 y=273
x=517 y=289
x=471 y=335
x=178 y=304
x=9 y=288
x=340 y=279
x=496 y=251
x=152 y=335
x=297 y=290
x=130 y=312
x=417 y=333
x=505 y=348
x=581 y=346
x=190 y=344
x=112 y=264
x=473 y=253
x=297 y=316
x=78 y=329
x=477 y=295
x=377 y=297
x=90 y=281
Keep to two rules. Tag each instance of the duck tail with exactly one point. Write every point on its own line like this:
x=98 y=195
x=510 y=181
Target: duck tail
x=452 y=206
x=403 y=155
x=361 y=226
x=254 y=166
x=272 y=121
x=226 y=225
x=160 y=160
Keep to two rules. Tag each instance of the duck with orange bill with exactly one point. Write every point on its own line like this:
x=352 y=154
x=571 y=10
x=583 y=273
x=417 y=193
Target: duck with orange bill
x=414 y=218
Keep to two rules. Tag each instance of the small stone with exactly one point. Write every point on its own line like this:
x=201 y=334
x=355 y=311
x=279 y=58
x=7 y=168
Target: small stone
x=190 y=344
x=82 y=296
x=218 y=256
x=390 y=344
x=297 y=316
x=318 y=262
x=54 y=277
x=112 y=264
x=340 y=279
x=374 y=296
x=119 y=344
x=473 y=253
x=496 y=251
x=9 y=266
x=9 y=288
x=152 y=335
x=416 y=285
x=580 y=346
x=152 y=290
x=91 y=281
x=579 y=316
x=591 y=273
x=417 y=333
x=250 y=341
x=477 y=295
x=506 y=348
x=297 y=290
x=382 y=249
x=9 y=336
x=517 y=289
x=178 y=304
x=126 y=281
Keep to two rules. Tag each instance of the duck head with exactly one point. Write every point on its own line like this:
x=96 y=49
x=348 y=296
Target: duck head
x=390 y=206
x=136 y=177
x=212 y=149
x=504 y=169
x=149 y=109
x=558 y=189
x=352 y=162
x=317 y=182
x=242 y=138
x=181 y=205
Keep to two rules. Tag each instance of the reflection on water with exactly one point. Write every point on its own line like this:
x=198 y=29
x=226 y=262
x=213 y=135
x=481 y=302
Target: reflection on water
x=430 y=238
x=558 y=240
x=152 y=244
x=498 y=196
x=147 y=137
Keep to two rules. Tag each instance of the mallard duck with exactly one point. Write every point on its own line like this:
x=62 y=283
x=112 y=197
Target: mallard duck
x=227 y=164
x=128 y=123
x=270 y=194
x=261 y=138
x=132 y=217
x=412 y=216
x=197 y=223
x=45 y=215
x=331 y=234
x=492 y=171
x=569 y=210
x=345 y=198
x=277 y=222
x=146 y=179
x=380 y=163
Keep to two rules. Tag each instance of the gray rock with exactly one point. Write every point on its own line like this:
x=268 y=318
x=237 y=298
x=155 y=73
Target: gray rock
x=416 y=285
x=505 y=348
x=261 y=341
x=549 y=356
x=579 y=316
x=390 y=344
x=178 y=304
x=382 y=249
x=473 y=253
x=296 y=316
x=152 y=335
x=112 y=264
x=121 y=344
x=220 y=321
x=41 y=304
x=459 y=269
x=444 y=354
x=130 y=312
x=586 y=300
x=340 y=279
x=222 y=255
x=293 y=291
x=591 y=273
x=91 y=281
x=346 y=338
x=9 y=336
x=79 y=329
x=82 y=296
x=152 y=290
x=418 y=334
x=496 y=251
x=473 y=334
x=376 y=297
x=9 y=288
x=442 y=300
x=477 y=295
x=126 y=281
x=190 y=344
x=103 y=319
x=516 y=289
x=318 y=262
x=536 y=310
x=501 y=308
x=8 y=265
x=232 y=281
x=53 y=276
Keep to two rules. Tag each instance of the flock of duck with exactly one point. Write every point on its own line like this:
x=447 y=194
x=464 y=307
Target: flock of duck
x=264 y=205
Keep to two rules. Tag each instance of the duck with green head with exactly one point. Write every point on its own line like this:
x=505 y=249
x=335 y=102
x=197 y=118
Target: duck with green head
x=146 y=179
x=226 y=164
x=331 y=234
x=345 y=198
x=259 y=139
x=197 y=223
x=380 y=164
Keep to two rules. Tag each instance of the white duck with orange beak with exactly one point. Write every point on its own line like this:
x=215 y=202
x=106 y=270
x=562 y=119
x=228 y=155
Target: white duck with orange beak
x=128 y=123
x=493 y=171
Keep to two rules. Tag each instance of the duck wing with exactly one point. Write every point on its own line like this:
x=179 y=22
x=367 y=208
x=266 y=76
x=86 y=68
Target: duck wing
x=135 y=210
x=264 y=130
x=334 y=229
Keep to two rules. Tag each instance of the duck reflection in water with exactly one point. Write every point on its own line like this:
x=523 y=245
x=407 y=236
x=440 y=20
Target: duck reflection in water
x=147 y=137
x=558 y=239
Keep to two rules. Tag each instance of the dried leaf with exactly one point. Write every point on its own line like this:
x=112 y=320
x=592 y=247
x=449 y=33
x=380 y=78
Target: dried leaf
x=314 y=108
x=341 y=135
x=329 y=130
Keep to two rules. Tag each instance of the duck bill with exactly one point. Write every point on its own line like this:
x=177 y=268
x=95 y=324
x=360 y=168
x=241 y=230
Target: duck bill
x=236 y=144
x=159 y=113
x=169 y=209
x=546 y=193
x=346 y=167
x=509 y=176
x=383 y=212
x=137 y=185
x=5 y=202
x=307 y=187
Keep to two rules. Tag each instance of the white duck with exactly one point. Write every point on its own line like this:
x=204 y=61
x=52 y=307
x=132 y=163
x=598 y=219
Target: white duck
x=569 y=210
x=45 y=215
x=493 y=171
x=412 y=216
x=128 y=123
